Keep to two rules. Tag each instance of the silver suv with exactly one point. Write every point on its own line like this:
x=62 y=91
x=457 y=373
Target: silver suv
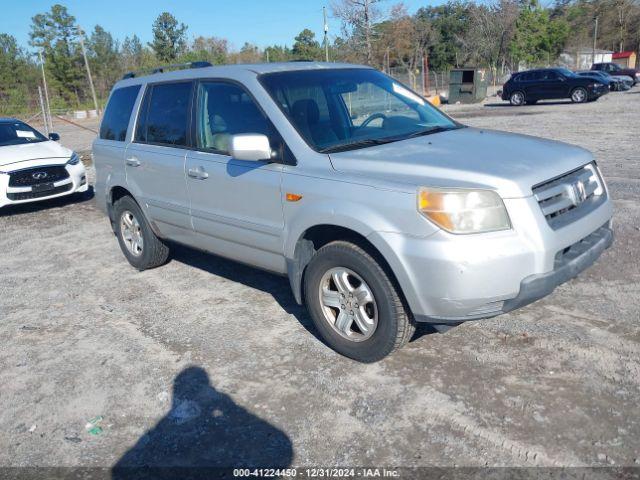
x=380 y=209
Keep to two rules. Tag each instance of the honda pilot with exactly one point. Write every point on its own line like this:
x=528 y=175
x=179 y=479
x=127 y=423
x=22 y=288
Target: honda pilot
x=381 y=210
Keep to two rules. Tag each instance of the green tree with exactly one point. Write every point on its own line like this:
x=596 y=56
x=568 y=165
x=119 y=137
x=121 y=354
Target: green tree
x=169 y=37
x=306 y=47
x=104 y=60
x=277 y=53
x=537 y=38
x=55 y=34
x=17 y=77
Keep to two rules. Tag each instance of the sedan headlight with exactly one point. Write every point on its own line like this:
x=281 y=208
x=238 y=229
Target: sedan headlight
x=463 y=211
x=74 y=160
x=595 y=85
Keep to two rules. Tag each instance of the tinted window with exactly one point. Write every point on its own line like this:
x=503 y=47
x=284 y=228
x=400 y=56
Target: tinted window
x=225 y=109
x=164 y=115
x=16 y=133
x=116 y=117
x=550 y=75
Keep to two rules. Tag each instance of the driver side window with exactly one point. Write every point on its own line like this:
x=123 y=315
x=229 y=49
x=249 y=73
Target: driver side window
x=225 y=109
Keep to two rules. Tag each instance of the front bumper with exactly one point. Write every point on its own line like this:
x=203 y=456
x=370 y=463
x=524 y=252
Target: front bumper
x=595 y=92
x=450 y=279
x=569 y=264
x=14 y=195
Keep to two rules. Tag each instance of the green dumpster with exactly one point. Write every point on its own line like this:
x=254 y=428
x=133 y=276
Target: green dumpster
x=467 y=85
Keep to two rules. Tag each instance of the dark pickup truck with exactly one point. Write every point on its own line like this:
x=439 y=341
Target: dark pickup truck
x=615 y=69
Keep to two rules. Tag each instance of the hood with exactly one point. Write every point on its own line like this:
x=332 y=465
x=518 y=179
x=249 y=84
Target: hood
x=468 y=157
x=10 y=154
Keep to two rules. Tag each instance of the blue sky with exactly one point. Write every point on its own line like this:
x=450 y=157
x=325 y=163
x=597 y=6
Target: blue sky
x=262 y=22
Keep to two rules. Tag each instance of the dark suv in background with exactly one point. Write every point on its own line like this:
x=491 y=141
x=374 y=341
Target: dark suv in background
x=552 y=84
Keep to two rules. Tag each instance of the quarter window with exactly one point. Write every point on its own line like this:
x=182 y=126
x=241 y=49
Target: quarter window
x=164 y=115
x=225 y=109
x=116 y=117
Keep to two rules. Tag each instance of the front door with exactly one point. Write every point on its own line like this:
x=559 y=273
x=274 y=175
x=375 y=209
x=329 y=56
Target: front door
x=236 y=206
x=155 y=161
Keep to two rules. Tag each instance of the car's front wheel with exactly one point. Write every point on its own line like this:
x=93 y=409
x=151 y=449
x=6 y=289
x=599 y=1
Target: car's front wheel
x=579 y=95
x=142 y=248
x=517 y=99
x=354 y=304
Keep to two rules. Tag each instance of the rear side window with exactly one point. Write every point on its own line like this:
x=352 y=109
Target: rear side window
x=164 y=115
x=116 y=117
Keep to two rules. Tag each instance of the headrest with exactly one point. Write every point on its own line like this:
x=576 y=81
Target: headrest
x=306 y=111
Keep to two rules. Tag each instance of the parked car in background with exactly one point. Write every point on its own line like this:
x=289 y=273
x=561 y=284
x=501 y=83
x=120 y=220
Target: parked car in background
x=616 y=83
x=380 y=209
x=34 y=167
x=552 y=84
x=615 y=69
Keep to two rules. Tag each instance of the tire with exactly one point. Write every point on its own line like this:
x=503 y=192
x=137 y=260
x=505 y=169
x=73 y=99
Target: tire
x=517 y=98
x=579 y=95
x=130 y=224
x=392 y=325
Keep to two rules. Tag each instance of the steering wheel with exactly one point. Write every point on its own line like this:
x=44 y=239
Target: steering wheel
x=371 y=118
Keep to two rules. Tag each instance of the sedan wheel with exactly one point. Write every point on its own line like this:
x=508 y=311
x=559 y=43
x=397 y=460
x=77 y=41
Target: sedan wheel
x=579 y=95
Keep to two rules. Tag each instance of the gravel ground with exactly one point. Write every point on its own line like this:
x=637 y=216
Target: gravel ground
x=204 y=361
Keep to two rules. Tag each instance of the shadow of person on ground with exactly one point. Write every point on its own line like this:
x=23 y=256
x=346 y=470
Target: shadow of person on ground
x=205 y=435
x=37 y=206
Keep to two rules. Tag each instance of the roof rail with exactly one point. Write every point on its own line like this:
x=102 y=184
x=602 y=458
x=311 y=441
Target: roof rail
x=161 y=69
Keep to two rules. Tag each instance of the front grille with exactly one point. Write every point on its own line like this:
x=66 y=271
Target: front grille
x=32 y=195
x=561 y=199
x=46 y=174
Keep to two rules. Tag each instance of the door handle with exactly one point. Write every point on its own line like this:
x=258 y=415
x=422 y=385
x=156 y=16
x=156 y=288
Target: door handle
x=132 y=162
x=198 y=173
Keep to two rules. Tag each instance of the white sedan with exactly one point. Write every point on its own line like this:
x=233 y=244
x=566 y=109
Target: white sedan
x=34 y=167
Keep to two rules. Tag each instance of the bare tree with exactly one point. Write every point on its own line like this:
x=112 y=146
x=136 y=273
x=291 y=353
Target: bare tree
x=358 y=18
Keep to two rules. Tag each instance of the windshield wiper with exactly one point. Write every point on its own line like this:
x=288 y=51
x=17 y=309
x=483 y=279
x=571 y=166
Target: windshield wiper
x=429 y=131
x=354 y=145
x=381 y=141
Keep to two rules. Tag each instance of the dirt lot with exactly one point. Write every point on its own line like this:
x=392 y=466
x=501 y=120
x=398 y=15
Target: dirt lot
x=204 y=361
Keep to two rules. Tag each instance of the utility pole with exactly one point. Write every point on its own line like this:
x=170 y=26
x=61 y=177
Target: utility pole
x=326 y=31
x=48 y=123
x=44 y=111
x=595 y=39
x=86 y=64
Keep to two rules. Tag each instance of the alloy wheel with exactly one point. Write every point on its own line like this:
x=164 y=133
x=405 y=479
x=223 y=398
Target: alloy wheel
x=348 y=304
x=131 y=232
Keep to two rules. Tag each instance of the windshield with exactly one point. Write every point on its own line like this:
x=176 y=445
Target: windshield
x=344 y=109
x=16 y=132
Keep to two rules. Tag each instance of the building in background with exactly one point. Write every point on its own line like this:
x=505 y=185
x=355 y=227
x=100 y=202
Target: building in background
x=625 y=59
x=583 y=58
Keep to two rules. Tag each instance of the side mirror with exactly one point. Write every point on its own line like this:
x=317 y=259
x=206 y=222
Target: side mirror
x=54 y=136
x=250 y=146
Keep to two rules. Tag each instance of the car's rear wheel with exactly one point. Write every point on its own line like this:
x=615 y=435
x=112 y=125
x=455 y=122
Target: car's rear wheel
x=517 y=98
x=354 y=304
x=142 y=248
x=579 y=95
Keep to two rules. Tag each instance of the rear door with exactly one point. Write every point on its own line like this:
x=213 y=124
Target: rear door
x=155 y=160
x=109 y=147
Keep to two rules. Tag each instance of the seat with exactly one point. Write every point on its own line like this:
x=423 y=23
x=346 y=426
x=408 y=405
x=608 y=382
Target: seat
x=306 y=116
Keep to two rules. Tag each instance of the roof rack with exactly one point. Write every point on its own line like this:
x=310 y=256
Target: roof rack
x=161 y=69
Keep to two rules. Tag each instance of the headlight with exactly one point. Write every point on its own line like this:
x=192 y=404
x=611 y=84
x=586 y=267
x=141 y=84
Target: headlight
x=462 y=210
x=595 y=85
x=74 y=160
